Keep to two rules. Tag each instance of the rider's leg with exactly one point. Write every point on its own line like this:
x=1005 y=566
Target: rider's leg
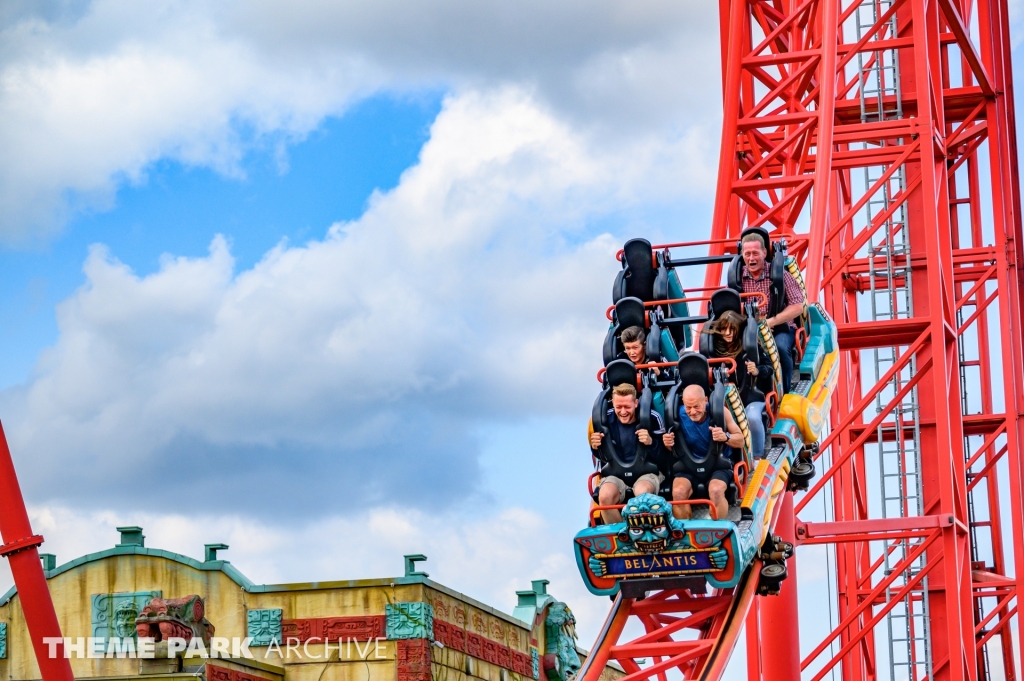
x=716 y=490
x=681 y=491
x=784 y=341
x=611 y=493
x=755 y=410
x=647 y=484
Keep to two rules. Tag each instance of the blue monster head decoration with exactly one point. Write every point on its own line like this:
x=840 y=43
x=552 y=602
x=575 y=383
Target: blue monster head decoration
x=650 y=525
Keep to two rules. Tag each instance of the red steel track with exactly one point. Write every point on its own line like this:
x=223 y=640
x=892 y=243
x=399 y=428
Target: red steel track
x=877 y=137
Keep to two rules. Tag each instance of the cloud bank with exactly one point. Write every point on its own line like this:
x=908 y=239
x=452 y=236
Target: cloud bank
x=91 y=94
x=473 y=291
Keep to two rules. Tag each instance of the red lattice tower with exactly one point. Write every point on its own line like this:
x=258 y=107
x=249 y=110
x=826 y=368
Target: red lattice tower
x=878 y=138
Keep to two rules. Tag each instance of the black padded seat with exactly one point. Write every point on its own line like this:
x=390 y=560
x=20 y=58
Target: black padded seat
x=638 y=273
x=725 y=300
x=620 y=371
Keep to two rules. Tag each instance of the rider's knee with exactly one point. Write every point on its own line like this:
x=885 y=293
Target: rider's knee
x=608 y=494
x=681 y=489
x=717 y=488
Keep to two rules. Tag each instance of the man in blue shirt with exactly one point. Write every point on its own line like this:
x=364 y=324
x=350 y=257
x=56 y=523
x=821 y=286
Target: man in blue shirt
x=625 y=435
x=699 y=432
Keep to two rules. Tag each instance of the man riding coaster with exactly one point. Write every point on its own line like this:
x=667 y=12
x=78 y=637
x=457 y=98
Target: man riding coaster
x=705 y=469
x=625 y=434
x=755 y=279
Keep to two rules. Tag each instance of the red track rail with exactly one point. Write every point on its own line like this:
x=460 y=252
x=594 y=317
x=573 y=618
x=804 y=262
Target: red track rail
x=856 y=143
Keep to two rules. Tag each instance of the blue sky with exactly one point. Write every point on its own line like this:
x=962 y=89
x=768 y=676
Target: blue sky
x=284 y=191
x=326 y=267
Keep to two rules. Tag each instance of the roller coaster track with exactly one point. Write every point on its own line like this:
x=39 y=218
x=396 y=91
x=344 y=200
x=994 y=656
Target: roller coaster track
x=877 y=138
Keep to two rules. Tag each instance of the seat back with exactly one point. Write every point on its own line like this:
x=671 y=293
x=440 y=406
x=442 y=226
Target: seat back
x=628 y=312
x=751 y=337
x=722 y=300
x=620 y=371
x=660 y=345
x=638 y=273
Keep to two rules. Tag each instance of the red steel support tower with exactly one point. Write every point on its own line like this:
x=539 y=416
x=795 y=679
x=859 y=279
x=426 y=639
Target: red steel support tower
x=877 y=137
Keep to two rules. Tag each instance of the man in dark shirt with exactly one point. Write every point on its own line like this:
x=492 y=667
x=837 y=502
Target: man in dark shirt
x=756 y=280
x=625 y=435
x=698 y=431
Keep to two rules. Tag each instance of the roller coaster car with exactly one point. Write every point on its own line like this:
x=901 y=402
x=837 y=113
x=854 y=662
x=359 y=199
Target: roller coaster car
x=651 y=549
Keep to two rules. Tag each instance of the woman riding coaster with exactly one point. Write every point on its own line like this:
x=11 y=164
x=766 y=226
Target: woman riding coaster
x=753 y=376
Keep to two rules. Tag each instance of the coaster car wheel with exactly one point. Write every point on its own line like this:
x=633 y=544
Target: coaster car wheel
x=801 y=475
x=771 y=577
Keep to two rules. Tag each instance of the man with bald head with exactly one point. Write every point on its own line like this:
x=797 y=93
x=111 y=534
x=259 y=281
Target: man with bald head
x=698 y=431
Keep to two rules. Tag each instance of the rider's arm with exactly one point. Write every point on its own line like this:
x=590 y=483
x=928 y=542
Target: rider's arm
x=765 y=372
x=794 y=302
x=735 y=435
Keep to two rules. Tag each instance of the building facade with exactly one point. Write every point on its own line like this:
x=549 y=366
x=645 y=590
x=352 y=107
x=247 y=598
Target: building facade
x=112 y=603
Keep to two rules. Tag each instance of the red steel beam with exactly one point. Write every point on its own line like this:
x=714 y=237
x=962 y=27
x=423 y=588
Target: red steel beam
x=20 y=548
x=782 y=94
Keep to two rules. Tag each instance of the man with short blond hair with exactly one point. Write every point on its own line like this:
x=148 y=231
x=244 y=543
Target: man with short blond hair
x=626 y=435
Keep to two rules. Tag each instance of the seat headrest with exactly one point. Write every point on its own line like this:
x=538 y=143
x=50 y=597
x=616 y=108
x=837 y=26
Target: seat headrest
x=630 y=312
x=693 y=369
x=620 y=371
x=761 y=232
x=735 y=274
x=639 y=271
x=723 y=300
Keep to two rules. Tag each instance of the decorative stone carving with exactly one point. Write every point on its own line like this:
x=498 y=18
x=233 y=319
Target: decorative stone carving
x=561 y=662
x=333 y=628
x=475 y=645
x=215 y=673
x=450 y=635
x=263 y=626
x=113 y=614
x=413 y=659
x=409 y=620
x=3 y=640
x=183 y=618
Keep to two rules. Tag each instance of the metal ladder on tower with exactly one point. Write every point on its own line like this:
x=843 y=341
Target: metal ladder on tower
x=891 y=297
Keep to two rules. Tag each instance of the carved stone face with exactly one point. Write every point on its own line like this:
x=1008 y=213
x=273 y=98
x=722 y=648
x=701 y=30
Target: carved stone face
x=648 y=532
x=124 y=619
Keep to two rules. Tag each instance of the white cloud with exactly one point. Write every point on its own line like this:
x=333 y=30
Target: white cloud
x=91 y=95
x=474 y=291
